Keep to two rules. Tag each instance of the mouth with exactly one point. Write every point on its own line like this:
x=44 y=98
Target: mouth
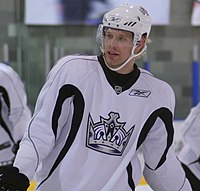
x=112 y=55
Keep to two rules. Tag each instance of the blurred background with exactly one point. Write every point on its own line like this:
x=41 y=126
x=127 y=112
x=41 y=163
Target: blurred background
x=34 y=34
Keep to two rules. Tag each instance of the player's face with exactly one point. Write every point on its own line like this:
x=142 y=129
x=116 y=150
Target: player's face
x=117 y=46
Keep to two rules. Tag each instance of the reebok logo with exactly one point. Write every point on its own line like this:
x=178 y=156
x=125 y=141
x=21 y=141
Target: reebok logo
x=140 y=93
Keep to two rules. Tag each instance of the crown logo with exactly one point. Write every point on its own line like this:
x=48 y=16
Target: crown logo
x=108 y=135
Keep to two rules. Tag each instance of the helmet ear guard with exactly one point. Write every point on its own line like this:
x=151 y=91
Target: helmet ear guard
x=99 y=36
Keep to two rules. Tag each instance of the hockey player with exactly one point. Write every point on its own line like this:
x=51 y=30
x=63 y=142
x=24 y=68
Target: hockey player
x=94 y=115
x=14 y=113
x=190 y=153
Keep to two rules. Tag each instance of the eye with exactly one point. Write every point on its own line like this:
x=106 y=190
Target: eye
x=108 y=35
x=121 y=38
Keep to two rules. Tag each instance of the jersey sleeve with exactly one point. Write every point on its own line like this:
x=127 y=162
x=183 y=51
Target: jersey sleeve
x=190 y=152
x=191 y=130
x=16 y=99
x=162 y=169
x=50 y=116
x=20 y=112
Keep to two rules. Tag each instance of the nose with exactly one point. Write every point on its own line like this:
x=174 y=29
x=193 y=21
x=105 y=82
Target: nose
x=113 y=42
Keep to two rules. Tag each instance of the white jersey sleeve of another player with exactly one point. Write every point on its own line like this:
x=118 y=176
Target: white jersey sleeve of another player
x=191 y=130
x=189 y=154
x=20 y=113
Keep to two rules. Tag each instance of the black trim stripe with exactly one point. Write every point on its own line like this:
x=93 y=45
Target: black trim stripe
x=166 y=116
x=65 y=92
x=131 y=183
x=5 y=97
x=2 y=122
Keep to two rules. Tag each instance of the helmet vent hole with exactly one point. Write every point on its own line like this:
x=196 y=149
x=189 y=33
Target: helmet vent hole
x=130 y=24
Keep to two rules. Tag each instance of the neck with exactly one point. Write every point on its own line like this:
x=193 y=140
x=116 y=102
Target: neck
x=124 y=68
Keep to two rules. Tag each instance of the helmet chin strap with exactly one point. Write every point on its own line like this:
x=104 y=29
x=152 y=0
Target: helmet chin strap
x=123 y=64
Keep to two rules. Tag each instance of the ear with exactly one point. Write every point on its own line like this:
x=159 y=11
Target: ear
x=140 y=44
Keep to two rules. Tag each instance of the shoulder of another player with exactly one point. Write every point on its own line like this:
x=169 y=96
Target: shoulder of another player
x=7 y=72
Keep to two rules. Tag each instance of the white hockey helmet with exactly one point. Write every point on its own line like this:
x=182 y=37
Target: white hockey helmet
x=130 y=18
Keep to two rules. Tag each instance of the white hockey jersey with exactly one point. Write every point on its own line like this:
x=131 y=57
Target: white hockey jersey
x=190 y=153
x=88 y=128
x=14 y=112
